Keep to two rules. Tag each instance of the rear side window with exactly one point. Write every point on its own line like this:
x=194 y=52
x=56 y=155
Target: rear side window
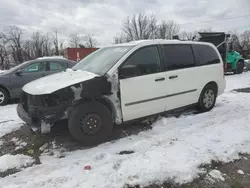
x=178 y=56
x=205 y=55
x=54 y=66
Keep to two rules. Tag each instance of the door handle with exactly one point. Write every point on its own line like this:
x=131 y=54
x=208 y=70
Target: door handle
x=173 y=77
x=160 y=79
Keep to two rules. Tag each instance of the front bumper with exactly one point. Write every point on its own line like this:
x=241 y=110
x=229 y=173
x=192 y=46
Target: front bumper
x=37 y=111
x=23 y=114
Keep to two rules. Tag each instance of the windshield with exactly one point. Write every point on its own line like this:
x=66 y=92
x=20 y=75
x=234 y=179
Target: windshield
x=100 y=61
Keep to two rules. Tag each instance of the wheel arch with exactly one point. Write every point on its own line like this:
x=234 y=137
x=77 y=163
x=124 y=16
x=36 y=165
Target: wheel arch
x=240 y=60
x=109 y=104
x=213 y=83
x=6 y=89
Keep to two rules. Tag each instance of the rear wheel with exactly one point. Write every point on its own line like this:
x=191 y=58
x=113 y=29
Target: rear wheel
x=239 y=67
x=90 y=123
x=4 y=97
x=207 y=98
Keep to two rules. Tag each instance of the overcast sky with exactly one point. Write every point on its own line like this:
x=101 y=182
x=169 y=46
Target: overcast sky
x=103 y=18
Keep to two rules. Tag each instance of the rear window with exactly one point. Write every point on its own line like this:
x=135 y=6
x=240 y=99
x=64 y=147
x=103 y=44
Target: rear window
x=205 y=55
x=178 y=56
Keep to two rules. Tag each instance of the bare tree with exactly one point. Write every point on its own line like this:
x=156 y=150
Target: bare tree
x=47 y=45
x=167 y=29
x=4 y=60
x=118 y=39
x=75 y=40
x=28 y=52
x=56 y=42
x=61 y=50
x=236 y=41
x=38 y=44
x=14 y=37
x=90 y=41
x=245 y=37
x=139 y=27
x=188 y=35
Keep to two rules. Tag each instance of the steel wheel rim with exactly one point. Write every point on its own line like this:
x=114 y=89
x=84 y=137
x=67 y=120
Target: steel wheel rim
x=208 y=98
x=91 y=124
x=2 y=97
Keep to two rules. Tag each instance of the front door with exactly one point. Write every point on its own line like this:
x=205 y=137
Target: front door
x=142 y=91
x=27 y=74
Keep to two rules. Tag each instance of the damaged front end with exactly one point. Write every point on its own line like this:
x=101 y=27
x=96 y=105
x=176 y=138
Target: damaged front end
x=42 y=111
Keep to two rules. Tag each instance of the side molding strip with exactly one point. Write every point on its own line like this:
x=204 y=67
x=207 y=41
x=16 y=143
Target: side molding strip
x=162 y=97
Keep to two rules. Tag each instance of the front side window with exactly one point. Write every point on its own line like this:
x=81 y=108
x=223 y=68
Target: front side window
x=144 y=61
x=34 y=67
x=178 y=56
x=102 y=60
x=205 y=55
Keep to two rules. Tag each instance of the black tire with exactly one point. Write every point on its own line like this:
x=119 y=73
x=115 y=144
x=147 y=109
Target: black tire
x=4 y=97
x=239 y=67
x=81 y=126
x=205 y=106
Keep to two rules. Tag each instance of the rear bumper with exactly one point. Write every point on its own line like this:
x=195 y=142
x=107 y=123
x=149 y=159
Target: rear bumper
x=221 y=86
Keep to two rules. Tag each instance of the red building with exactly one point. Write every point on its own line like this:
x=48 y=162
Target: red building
x=77 y=54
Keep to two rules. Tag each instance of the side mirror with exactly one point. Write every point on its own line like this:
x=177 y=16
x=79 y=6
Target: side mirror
x=18 y=73
x=128 y=71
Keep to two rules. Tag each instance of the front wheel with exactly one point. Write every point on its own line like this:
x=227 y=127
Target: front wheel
x=90 y=123
x=4 y=97
x=207 y=98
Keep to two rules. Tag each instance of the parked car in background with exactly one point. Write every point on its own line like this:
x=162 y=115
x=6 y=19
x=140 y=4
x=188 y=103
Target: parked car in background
x=12 y=81
x=122 y=83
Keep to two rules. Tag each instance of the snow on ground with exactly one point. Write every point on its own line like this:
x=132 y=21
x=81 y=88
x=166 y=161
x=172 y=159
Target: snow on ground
x=14 y=161
x=240 y=172
x=18 y=143
x=9 y=120
x=237 y=81
x=174 y=149
x=1 y=71
x=216 y=174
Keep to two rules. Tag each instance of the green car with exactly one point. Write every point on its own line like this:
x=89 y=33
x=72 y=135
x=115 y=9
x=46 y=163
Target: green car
x=233 y=61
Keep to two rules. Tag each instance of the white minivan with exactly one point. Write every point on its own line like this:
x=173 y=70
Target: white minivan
x=124 y=82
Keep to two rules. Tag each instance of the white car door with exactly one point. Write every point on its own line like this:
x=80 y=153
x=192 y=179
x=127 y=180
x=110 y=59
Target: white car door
x=183 y=78
x=142 y=84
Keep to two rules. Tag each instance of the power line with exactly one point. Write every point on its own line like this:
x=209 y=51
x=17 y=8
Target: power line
x=231 y=18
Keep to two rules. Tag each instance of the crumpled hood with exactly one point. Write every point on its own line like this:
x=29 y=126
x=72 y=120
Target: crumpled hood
x=55 y=82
